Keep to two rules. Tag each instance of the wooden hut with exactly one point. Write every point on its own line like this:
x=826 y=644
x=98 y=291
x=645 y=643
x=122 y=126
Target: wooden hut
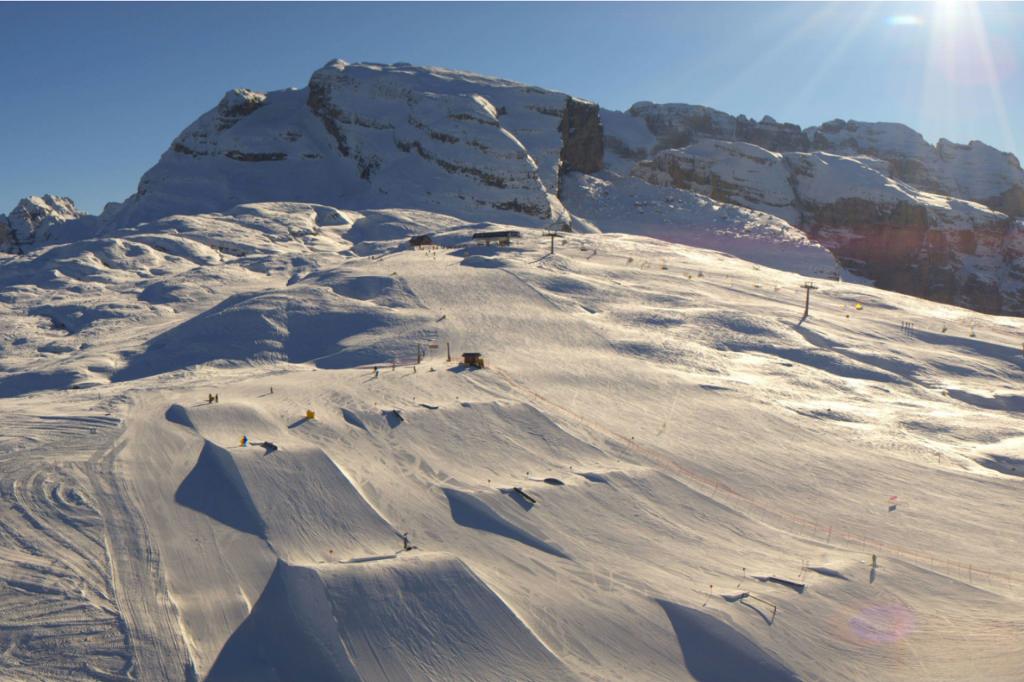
x=473 y=360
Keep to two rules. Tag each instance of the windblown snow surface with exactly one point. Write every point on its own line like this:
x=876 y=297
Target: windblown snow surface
x=662 y=473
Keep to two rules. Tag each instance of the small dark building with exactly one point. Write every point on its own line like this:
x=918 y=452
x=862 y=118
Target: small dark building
x=421 y=240
x=502 y=237
x=473 y=360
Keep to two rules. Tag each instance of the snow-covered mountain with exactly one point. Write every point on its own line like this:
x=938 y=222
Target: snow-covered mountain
x=372 y=135
x=940 y=221
x=365 y=136
x=633 y=206
x=934 y=221
x=974 y=171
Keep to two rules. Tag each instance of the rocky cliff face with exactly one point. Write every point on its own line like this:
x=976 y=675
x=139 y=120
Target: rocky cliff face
x=582 y=138
x=928 y=245
x=678 y=125
x=973 y=171
x=33 y=221
x=905 y=239
x=369 y=135
x=733 y=172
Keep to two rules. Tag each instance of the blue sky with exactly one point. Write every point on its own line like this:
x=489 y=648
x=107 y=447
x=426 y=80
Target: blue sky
x=92 y=94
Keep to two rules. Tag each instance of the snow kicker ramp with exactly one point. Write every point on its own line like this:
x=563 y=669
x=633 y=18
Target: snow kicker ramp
x=298 y=500
x=473 y=512
x=715 y=652
x=227 y=423
x=416 y=617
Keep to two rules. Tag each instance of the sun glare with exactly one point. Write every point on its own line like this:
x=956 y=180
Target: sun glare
x=963 y=57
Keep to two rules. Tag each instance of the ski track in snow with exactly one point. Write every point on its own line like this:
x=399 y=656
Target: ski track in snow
x=59 y=615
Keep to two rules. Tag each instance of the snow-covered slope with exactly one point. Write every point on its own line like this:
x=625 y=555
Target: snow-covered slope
x=376 y=136
x=632 y=206
x=662 y=473
x=627 y=139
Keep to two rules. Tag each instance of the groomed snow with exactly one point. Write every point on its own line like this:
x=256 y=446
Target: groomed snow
x=661 y=474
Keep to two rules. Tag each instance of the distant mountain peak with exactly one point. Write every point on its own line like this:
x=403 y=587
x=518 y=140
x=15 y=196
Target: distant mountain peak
x=31 y=221
x=974 y=171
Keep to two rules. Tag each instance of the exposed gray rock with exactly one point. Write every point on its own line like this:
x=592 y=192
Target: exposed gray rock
x=33 y=221
x=582 y=137
x=928 y=245
x=678 y=125
x=973 y=171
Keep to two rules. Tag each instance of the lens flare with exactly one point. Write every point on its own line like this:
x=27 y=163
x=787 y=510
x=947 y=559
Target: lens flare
x=904 y=20
x=880 y=624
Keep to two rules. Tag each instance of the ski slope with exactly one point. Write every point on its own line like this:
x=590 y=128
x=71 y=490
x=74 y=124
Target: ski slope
x=663 y=472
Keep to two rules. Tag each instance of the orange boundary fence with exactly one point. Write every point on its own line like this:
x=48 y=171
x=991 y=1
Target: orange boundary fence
x=973 y=573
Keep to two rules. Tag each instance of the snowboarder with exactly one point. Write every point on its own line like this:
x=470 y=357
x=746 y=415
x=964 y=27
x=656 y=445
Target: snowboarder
x=209 y=398
x=376 y=372
x=405 y=542
x=245 y=441
x=216 y=398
